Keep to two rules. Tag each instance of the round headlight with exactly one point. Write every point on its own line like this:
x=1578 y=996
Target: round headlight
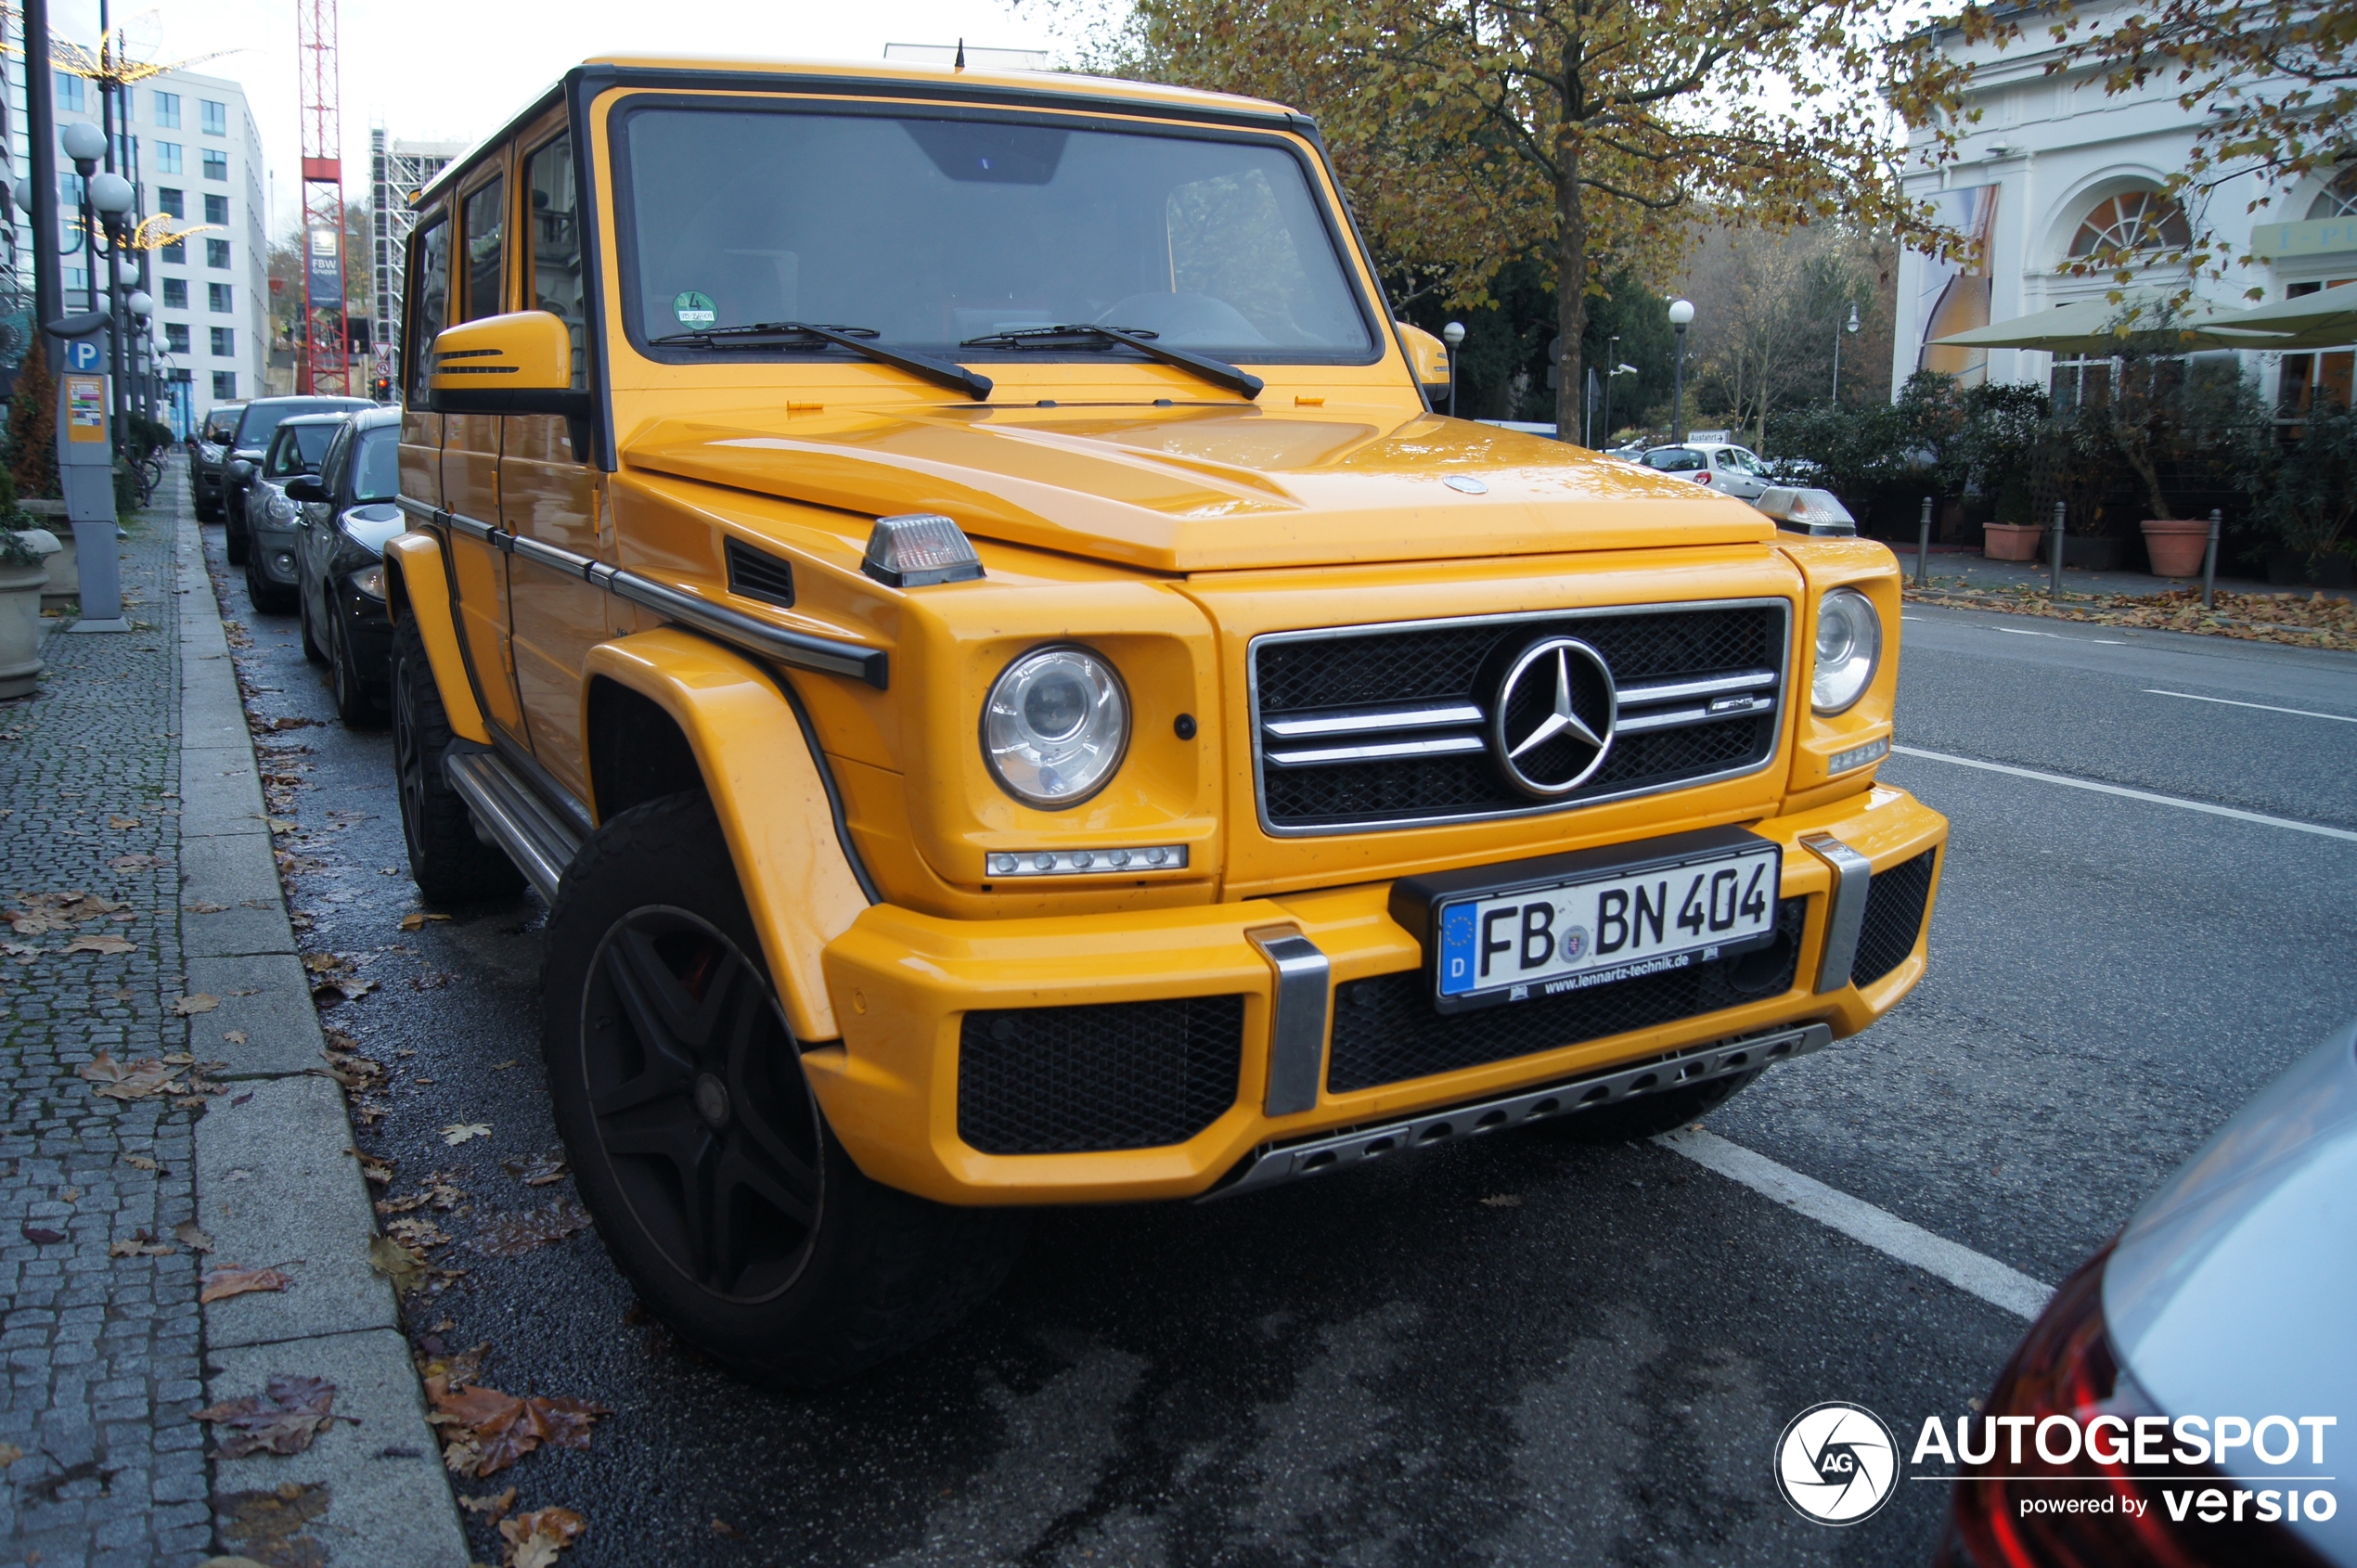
x=1055 y=726
x=1849 y=647
x=280 y=509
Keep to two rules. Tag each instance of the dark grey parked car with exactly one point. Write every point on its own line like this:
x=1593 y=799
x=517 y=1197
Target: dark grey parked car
x=256 y=425
x=2200 y=1372
x=349 y=513
x=296 y=450
x=209 y=446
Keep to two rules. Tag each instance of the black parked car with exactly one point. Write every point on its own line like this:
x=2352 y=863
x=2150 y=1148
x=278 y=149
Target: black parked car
x=211 y=441
x=297 y=450
x=256 y=425
x=346 y=516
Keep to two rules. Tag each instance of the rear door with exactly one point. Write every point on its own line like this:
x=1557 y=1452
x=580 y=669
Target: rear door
x=549 y=491
x=470 y=446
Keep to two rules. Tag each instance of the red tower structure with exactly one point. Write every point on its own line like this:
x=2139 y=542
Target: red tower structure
x=326 y=361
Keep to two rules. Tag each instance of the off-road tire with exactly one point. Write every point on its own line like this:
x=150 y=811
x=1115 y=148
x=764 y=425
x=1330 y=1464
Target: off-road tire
x=1634 y=1119
x=448 y=863
x=869 y=1271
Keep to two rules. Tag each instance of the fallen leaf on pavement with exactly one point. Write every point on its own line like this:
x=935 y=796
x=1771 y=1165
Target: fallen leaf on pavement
x=9 y=1454
x=235 y=1036
x=452 y=1370
x=233 y=1280
x=515 y=1235
x=282 y=1420
x=41 y=1236
x=534 y=1539
x=281 y=824
x=535 y=1170
x=460 y=1132
x=203 y=908
x=503 y=1066
x=1504 y=1200
x=502 y=1428
x=192 y=1236
x=127 y=1080
x=418 y=1233
x=134 y=863
x=139 y=1162
x=139 y=1244
x=19 y=949
x=405 y=1266
x=200 y=1002
x=494 y=1506
x=440 y=1188
x=119 y=822
x=722 y=1527
x=44 y=912
x=342 y=988
x=106 y=944
x=378 y=1168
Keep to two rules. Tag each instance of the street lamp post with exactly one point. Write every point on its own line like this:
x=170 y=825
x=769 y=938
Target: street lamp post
x=1611 y=368
x=106 y=197
x=1454 y=336
x=1682 y=316
x=1849 y=326
x=142 y=304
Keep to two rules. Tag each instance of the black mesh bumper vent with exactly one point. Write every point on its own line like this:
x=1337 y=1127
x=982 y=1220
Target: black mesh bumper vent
x=1117 y=1075
x=1895 y=901
x=1385 y=1030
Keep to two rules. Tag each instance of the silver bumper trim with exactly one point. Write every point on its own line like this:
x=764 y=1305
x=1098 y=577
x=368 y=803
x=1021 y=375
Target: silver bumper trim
x=1846 y=911
x=1282 y=1162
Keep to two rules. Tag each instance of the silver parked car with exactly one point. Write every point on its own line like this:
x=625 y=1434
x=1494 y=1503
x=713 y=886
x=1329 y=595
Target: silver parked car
x=297 y=447
x=1728 y=468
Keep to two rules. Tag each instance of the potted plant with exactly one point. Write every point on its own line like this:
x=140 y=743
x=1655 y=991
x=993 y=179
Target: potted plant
x=24 y=570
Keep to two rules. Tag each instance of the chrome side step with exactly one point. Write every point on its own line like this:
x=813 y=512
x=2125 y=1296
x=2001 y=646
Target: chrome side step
x=1281 y=1162
x=508 y=814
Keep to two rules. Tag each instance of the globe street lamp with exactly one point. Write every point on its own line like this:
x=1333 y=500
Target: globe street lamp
x=1453 y=335
x=1682 y=316
x=1849 y=326
x=142 y=304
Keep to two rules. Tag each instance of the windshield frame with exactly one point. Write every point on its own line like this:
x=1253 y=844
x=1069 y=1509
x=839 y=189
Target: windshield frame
x=1339 y=234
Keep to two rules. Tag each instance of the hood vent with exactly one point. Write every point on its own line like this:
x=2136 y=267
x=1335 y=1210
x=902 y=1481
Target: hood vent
x=753 y=574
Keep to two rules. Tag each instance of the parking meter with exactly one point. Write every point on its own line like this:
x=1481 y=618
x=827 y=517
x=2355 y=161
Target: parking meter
x=86 y=469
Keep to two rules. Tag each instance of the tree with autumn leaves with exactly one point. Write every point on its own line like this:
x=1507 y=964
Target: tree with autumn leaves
x=1587 y=133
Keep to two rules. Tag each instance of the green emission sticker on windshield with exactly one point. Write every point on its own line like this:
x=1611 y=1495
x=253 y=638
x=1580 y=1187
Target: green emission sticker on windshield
x=694 y=309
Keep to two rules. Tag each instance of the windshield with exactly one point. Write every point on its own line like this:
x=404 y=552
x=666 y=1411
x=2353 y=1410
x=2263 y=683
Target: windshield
x=376 y=467
x=222 y=425
x=301 y=451
x=259 y=423
x=930 y=232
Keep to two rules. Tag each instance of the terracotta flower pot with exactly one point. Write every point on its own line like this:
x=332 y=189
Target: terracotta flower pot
x=2011 y=541
x=2176 y=547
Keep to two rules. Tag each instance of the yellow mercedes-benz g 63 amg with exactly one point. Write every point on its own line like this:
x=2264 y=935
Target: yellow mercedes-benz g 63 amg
x=950 y=587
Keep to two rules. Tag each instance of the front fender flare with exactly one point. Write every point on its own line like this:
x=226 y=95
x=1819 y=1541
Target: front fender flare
x=770 y=794
x=417 y=585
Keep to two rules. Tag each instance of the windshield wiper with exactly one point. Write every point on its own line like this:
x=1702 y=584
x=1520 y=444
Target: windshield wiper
x=955 y=377
x=1217 y=371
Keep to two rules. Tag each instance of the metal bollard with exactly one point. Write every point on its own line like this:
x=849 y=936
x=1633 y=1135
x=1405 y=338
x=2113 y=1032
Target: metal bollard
x=2053 y=588
x=2210 y=561
x=1923 y=545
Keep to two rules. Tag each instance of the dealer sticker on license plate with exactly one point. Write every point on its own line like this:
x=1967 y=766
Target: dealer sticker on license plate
x=1552 y=940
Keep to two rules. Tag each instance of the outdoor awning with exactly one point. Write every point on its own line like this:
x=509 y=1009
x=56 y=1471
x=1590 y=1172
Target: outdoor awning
x=2085 y=325
x=2327 y=319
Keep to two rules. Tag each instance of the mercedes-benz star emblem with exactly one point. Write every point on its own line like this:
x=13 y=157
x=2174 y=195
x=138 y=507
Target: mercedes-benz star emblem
x=1553 y=722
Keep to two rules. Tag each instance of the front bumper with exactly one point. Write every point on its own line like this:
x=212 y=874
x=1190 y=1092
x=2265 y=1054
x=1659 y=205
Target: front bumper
x=902 y=984
x=273 y=549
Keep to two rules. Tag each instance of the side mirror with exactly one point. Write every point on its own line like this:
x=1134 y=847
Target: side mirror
x=516 y=363
x=306 y=487
x=1428 y=356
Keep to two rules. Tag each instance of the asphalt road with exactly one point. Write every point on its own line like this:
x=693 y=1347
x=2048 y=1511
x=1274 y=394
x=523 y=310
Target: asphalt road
x=1517 y=1351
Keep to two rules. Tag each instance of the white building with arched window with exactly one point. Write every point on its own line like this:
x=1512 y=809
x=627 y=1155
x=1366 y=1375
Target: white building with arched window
x=2052 y=170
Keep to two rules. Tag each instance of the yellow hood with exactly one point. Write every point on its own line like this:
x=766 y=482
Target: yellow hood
x=1197 y=489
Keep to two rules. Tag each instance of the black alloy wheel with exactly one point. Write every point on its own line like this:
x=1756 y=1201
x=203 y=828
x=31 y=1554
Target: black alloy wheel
x=353 y=705
x=234 y=540
x=699 y=1104
x=310 y=646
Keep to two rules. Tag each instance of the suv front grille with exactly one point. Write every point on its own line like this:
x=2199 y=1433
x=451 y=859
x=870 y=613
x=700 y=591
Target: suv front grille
x=1700 y=687
x=1109 y=1076
x=1387 y=1032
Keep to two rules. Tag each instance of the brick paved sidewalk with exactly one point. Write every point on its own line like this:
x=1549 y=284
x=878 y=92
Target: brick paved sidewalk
x=102 y=1350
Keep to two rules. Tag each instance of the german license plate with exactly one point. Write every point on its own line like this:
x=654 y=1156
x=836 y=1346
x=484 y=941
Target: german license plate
x=1551 y=940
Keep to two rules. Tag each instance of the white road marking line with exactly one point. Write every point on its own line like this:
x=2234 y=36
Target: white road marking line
x=2204 y=808
x=1996 y=1283
x=2264 y=707
x=2025 y=632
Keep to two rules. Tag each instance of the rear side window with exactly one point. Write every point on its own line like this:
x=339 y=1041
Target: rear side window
x=429 y=302
x=1674 y=459
x=555 y=239
x=484 y=251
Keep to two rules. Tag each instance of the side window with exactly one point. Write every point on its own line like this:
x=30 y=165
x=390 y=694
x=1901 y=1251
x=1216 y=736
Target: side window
x=430 y=301
x=482 y=234
x=555 y=239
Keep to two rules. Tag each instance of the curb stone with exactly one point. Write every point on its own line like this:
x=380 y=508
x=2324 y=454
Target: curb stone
x=274 y=1186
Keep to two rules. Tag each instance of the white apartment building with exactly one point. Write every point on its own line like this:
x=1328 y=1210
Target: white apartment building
x=189 y=143
x=2055 y=167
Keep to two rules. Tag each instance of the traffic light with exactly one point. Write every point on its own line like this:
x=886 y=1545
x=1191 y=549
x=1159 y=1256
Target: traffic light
x=382 y=388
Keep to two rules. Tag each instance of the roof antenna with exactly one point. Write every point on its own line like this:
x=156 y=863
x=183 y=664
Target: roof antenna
x=960 y=64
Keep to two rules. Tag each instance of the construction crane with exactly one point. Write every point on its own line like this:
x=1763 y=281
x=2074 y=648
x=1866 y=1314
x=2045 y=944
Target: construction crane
x=325 y=366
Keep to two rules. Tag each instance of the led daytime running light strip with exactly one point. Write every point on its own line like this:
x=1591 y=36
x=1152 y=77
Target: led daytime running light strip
x=1078 y=862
